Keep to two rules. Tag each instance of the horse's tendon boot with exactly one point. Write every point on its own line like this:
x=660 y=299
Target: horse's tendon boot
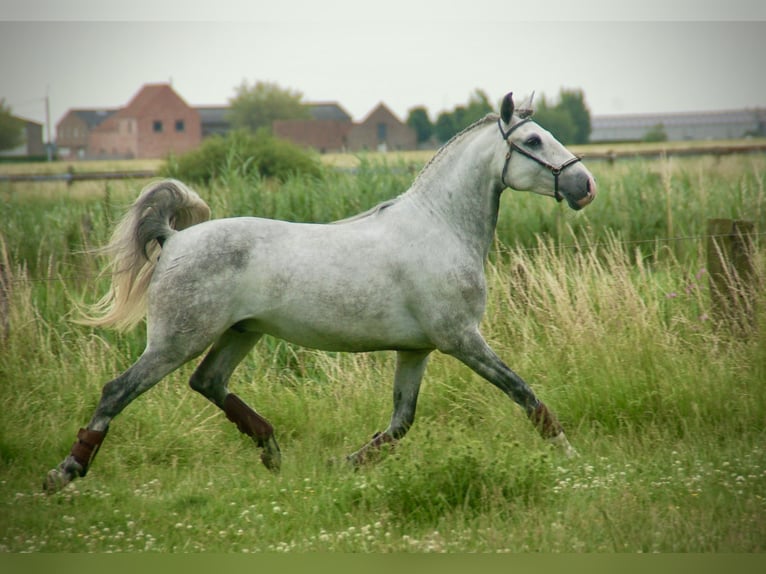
x=77 y=462
x=255 y=426
x=551 y=430
x=545 y=422
x=86 y=446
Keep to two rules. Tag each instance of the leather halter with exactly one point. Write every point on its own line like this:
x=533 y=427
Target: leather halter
x=554 y=169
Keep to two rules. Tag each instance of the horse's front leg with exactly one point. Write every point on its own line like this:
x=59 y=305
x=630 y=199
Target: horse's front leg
x=410 y=366
x=476 y=354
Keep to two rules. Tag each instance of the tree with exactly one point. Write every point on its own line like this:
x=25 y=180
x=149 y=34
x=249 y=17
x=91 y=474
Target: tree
x=444 y=128
x=256 y=107
x=450 y=123
x=11 y=128
x=568 y=119
x=419 y=121
x=555 y=120
x=478 y=107
x=656 y=134
x=573 y=102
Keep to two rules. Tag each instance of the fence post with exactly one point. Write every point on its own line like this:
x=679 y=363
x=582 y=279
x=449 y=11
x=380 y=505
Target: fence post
x=731 y=272
x=5 y=292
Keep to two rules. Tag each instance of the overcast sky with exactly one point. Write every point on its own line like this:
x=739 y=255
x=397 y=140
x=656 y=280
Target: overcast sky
x=658 y=56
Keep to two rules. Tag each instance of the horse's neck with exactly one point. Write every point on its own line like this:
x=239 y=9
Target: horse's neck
x=461 y=187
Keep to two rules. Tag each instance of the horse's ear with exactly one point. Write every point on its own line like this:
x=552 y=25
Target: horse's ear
x=506 y=110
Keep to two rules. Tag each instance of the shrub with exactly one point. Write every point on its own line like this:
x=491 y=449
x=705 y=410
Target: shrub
x=243 y=153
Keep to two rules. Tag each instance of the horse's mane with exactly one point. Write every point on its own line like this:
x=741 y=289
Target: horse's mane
x=440 y=152
x=435 y=159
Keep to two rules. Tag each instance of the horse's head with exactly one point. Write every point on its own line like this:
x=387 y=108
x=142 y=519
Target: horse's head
x=538 y=162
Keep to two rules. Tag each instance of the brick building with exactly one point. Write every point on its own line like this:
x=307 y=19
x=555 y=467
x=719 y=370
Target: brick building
x=331 y=129
x=31 y=141
x=155 y=122
x=73 y=131
x=381 y=130
x=326 y=131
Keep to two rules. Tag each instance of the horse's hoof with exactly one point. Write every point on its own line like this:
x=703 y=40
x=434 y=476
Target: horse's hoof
x=379 y=447
x=56 y=480
x=355 y=461
x=561 y=443
x=62 y=475
x=335 y=462
x=271 y=456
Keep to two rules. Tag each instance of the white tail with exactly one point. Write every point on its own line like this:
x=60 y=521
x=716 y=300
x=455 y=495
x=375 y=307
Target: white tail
x=162 y=209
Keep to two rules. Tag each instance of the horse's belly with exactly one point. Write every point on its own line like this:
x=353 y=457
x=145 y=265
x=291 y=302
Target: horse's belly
x=342 y=334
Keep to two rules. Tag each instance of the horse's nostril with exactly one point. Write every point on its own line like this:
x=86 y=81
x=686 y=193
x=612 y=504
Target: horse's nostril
x=591 y=186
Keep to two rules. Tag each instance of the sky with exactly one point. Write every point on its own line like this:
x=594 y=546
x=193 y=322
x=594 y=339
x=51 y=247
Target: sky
x=652 y=57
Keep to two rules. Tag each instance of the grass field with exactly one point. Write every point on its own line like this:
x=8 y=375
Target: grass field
x=605 y=312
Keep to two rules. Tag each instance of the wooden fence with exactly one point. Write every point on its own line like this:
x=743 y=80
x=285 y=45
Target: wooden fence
x=72 y=176
x=734 y=281
x=597 y=153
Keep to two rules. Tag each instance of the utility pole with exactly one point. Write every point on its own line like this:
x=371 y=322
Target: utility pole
x=49 y=145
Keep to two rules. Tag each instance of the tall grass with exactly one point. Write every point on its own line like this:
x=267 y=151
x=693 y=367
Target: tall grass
x=598 y=311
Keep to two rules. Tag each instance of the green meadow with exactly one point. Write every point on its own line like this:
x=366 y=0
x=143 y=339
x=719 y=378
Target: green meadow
x=605 y=312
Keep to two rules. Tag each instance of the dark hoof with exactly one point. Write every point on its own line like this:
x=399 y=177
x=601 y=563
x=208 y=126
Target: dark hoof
x=380 y=445
x=271 y=456
x=62 y=475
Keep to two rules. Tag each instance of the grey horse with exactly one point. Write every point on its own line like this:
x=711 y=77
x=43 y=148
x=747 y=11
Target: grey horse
x=407 y=275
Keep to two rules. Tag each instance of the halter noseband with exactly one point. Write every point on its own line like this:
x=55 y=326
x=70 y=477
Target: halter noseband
x=554 y=169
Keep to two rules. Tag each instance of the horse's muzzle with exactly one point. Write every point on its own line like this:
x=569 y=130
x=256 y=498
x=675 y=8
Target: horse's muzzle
x=590 y=195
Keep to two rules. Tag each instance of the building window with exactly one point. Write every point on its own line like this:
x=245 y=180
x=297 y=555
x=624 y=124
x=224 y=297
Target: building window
x=180 y=126
x=157 y=126
x=382 y=132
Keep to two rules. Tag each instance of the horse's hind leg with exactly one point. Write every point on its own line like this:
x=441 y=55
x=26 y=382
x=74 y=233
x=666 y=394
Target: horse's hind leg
x=117 y=394
x=211 y=378
x=410 y=366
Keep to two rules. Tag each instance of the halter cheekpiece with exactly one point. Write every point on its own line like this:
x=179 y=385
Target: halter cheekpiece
x=554 y=169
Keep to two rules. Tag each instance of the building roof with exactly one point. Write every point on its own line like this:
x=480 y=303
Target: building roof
x=380 y=111
x=26 y=121
x=145 y=99
x=677 y=119
x=141 y=104
x=91 y=117
x=94 y=117
x=213 y=114
x=328 y=111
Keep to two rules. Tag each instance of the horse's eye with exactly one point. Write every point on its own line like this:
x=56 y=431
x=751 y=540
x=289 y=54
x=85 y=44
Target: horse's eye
x=533 y=141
